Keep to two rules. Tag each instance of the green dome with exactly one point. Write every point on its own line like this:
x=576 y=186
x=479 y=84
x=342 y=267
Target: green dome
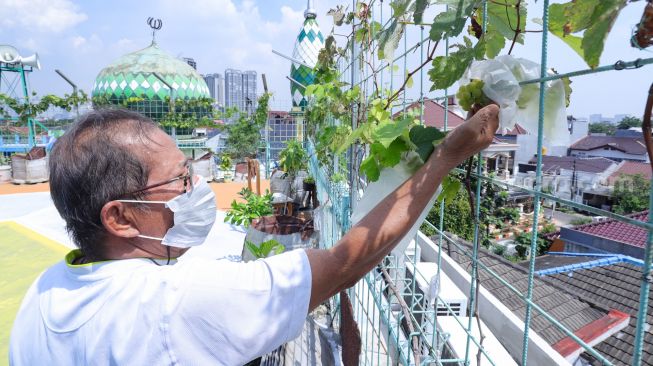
x=132 y=76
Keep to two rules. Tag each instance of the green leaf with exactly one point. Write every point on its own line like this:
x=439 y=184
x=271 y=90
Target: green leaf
x=568 y=90
x=370 y=168
x=387 y=132
x=409 y=80
x=504 y=20
x=389 y=40
x=451 y=23
x=424 y=138
x=450 y=187
x=447 y=70
x=390 y=156
x=420 y=6
x=594 y=18
x=494 y=43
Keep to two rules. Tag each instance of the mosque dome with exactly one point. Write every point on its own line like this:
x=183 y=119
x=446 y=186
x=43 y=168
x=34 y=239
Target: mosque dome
x=307 y=47
x=132 y=76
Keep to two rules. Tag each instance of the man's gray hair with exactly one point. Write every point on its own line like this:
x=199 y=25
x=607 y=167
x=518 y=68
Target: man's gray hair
x=91 y=165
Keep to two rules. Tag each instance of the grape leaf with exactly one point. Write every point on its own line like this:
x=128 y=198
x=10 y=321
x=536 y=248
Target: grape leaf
x=370 y=168
x=387 y=131
x=594 y=18
x=494 y=43
x=447 y=70
x=503 y=19
x=423 y=138
x=420 y=6
x=450 y=187
x=389 y=40
x=391 y=155
x=451 y=23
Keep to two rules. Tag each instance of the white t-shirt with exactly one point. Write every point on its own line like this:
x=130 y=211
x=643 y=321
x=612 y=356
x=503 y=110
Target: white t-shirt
x=134 y=312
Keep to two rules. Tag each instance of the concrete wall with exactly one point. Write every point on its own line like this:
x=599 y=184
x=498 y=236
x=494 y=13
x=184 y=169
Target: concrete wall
x=505 y=325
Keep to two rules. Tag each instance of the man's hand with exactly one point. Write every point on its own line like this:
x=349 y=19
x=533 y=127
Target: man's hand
x=365 y=245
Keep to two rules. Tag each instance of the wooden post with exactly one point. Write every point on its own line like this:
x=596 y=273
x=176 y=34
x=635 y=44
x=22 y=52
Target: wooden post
x=257 y=166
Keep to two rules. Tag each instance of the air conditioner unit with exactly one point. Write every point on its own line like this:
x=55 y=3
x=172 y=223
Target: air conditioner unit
x=449 y=293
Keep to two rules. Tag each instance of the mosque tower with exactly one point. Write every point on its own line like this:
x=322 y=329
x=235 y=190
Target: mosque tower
x=307 y=47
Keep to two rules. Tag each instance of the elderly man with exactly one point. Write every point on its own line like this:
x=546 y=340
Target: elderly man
x=132 y=207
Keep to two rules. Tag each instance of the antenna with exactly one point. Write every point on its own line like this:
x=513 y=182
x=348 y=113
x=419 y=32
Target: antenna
x=155 y=24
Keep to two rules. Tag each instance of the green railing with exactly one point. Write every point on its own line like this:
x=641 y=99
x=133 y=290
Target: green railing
x=386 y=337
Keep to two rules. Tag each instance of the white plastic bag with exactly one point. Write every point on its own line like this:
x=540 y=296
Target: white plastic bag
x=520 y=104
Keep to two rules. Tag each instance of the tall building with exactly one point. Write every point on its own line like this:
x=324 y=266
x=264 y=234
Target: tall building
x=240 y=89
x=191 y=62
x=233 y=89
x=249 y=91
x=215 y=82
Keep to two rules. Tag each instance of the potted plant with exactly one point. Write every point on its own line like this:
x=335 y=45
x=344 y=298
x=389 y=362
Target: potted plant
x=292 y=160
x=225 y=166
x=242 y=213
x=309 y=184
x=5 y=169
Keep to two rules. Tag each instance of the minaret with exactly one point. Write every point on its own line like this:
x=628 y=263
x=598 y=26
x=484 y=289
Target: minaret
x=307 y=47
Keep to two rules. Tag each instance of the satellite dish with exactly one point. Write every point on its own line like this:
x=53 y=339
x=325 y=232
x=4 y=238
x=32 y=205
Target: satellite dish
x=31 y=61
x=9 y=54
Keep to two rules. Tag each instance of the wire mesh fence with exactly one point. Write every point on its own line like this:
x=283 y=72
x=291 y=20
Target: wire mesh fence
x=494 y=316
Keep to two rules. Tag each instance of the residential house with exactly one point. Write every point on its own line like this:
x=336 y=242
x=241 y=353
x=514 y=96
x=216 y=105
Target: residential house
x=611 y=147
x=434 y=114
x=627 y=168
x=610 y=281
x=607 y=236
x=573 y=178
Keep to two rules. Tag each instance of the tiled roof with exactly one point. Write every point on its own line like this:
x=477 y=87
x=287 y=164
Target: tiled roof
x=434 y=114
x=618 y=231
x=567 y=309
x=631 y=168
x=517 y=130
x=555 y=163
x=552 y=261
x=616 y=287
x=629 y=145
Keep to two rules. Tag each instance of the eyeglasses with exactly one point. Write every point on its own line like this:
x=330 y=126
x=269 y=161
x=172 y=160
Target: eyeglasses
x=187 y=178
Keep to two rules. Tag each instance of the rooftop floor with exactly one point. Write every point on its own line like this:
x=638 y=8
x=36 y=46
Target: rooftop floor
x=33 y=237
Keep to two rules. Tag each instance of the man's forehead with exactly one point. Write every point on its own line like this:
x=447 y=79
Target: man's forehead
x=160 y=151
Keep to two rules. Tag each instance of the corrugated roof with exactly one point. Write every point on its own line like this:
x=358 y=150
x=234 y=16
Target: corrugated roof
x=631 y=168
x=567 y=309
x=591 y=165
x=618 y=231
x=617 y=287
x=434 y=114
x=629 y=145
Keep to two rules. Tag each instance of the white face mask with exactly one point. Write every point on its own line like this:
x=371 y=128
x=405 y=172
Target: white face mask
x=194 y=214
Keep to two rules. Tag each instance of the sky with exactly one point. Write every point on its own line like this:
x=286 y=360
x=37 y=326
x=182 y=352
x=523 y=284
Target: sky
x=81 y=37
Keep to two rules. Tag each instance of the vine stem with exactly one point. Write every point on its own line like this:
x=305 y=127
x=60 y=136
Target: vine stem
x=410 y=75
x=404 y=308
x=518 y=30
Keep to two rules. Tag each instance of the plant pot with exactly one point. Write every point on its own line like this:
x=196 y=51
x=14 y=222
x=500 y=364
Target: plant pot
x=309 y=187
x=292 y=232
x=5 y=173
x=228 y=177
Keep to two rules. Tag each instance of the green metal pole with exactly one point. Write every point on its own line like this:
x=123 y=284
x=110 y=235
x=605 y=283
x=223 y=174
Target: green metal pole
x=645 y=289
x=538 y=180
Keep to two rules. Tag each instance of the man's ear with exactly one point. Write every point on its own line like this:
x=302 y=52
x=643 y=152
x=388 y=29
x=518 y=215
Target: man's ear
x=117 y=219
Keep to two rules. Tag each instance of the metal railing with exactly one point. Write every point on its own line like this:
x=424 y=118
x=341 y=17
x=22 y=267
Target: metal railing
x=383 y=326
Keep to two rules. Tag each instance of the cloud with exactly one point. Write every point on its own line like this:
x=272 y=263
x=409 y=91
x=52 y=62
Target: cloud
x=40 y=15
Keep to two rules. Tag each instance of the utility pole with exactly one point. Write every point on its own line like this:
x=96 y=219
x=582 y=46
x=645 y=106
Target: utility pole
x=573 y=182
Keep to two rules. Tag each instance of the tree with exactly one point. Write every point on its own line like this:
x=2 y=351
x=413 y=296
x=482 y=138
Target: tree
x=457 y=216
x=603 y=127
x=629 y=122
x=631 y=194
x=245 y=134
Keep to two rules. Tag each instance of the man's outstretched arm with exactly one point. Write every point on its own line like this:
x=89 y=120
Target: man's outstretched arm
x=371 y=239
